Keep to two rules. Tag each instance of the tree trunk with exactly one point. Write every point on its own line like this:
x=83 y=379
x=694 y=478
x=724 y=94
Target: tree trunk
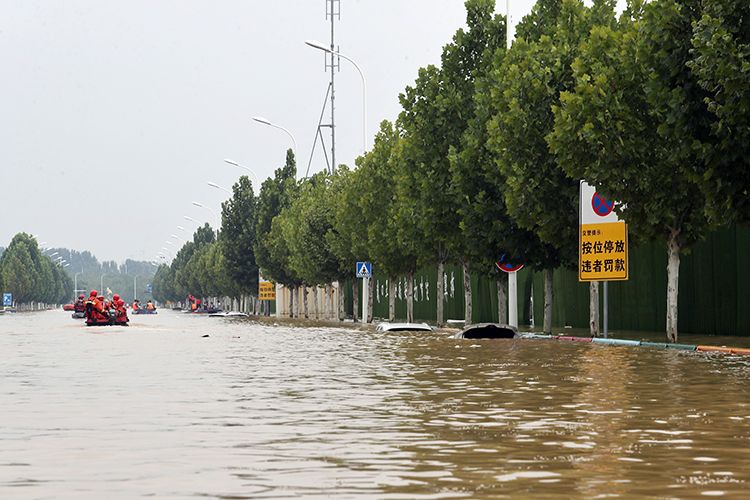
x=370 y=297
x=548 y=274
x=291 y=301
x=392 y=299
x=410 y=297
x=502 y=298
x=673 y=279
x=315 y=302
x=304 y=298
x=340 y=293
x=594 y=308
x=440 y=295
x=468 y=306
x=355 y=300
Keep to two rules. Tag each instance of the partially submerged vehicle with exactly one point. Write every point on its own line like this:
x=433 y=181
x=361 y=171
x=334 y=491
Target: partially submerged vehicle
x=229 y=314
x=404 y=327
x=210 y=310
x=78 y=315
x=488 y=331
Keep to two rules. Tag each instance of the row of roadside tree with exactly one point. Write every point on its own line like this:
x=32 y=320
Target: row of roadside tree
x=650 y=106
x=31 y=276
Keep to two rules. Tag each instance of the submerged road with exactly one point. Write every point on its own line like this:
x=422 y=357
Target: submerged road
x=263 y=411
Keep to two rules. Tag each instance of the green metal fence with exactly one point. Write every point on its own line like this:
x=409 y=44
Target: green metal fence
x=714 y=295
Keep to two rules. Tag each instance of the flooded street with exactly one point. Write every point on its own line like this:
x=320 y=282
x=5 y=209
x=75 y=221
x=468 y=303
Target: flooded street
x=261 y=411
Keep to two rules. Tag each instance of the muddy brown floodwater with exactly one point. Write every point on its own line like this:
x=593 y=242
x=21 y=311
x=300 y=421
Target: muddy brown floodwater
x=263 y=411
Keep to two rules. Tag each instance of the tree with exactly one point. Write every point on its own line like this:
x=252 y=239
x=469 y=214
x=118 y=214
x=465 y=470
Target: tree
x=163 y=285
x=238 y=237
x=539 y=195
x=29 y=275
x=486 y=227
x=436 y=112
x=306 y=227
x=18 y=276
x=346 y=238
x=271 y=253
x=371 y=199
x=631 y=123
x=720 y=62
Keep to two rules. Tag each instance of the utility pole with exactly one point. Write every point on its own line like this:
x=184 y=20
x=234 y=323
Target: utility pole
x=333 y=12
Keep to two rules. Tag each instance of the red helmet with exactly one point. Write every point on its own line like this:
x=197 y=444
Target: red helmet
x=115 y=297
x=120 y=302
x=80 y=296
x=93 y=293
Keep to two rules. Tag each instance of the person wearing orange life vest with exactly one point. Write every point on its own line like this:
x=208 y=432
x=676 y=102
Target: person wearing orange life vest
x=136 y=305
x=90 y=304
x=150 y=306
x=80 y=305
x=96 y=313
x=122 y=313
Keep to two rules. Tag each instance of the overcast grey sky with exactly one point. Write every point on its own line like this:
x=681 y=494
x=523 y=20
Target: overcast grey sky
x=127 y=109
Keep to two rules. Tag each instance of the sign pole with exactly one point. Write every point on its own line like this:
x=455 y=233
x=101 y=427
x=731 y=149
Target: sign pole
x=513 y=299
x=364 y=270
x=365 y=297
x=606 y=308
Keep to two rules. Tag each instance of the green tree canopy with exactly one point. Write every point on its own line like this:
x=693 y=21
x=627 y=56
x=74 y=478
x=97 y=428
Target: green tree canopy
x=238 y=236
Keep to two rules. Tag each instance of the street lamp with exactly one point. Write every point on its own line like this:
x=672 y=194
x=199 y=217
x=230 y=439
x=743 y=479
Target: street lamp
x=75 y=281
x=135 y=287
x=101 y=283
x=190 y=219
x=175 y=237
x=180 y=228
x=200 y=205
x=214 y=185
x=317 y=45
x=266 y=121
x=232 y=162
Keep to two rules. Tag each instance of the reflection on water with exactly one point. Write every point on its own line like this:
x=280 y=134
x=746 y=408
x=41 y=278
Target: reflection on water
x=256 y=411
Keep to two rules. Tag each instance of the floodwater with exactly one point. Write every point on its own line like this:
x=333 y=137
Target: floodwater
x=262 y=411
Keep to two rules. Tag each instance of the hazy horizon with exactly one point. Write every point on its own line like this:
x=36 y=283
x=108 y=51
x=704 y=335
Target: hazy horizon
x=116 y=115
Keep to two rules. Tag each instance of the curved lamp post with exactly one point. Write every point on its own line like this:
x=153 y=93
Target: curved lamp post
x=266 y=121
x=255 y=177
x=214 y=185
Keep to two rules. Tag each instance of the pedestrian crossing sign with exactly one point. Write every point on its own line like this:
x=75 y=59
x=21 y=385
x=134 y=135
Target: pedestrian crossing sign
x=364 y=269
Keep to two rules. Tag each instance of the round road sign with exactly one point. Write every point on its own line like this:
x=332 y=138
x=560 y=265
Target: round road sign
x=601 y=206
x=509 y=267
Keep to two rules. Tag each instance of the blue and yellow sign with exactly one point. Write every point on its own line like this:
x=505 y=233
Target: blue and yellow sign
x=603 y=252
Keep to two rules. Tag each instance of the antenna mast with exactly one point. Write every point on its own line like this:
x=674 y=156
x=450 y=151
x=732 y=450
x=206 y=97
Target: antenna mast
x=333 y=12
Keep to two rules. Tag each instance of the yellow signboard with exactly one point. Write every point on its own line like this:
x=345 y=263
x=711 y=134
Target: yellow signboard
x=267 y=290
x=603 y=252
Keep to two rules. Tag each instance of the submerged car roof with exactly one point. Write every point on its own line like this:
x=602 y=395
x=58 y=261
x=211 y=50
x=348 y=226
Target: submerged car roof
x=404 y=327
